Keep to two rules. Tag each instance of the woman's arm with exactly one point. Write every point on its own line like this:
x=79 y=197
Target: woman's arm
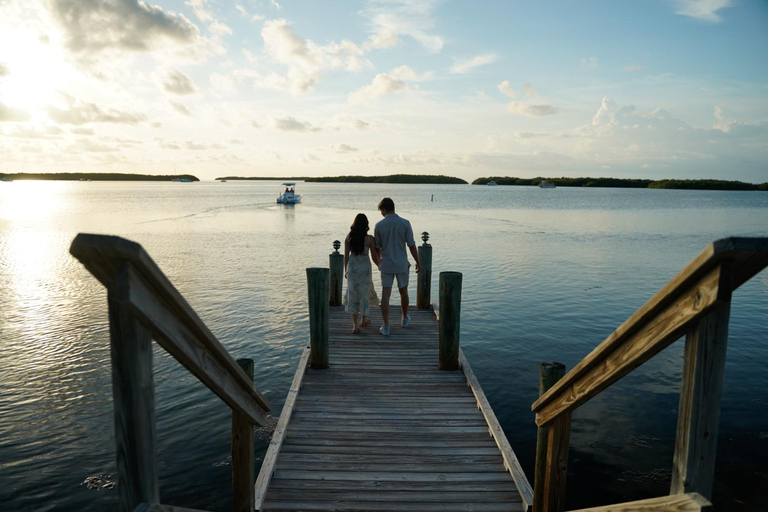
x=374 y=252
x=346 y=254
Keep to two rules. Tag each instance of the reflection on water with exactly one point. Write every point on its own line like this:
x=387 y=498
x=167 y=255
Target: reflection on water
x=548 y=274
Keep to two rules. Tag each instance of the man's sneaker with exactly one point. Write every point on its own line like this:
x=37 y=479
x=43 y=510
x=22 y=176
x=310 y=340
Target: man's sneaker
x=406 y=321
x=384 y=330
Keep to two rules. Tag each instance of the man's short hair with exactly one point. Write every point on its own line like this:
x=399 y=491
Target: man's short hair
x=387 y=205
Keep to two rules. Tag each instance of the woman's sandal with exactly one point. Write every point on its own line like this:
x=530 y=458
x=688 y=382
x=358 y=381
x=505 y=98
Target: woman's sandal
x=355 y=330
x=366 y=321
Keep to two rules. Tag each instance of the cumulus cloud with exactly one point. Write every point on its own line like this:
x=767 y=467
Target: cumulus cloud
x=305 y=59
x=528 y=90
x=385 y=84
x=706 y=10
x=351 y=122
x=201 y=13
x=413 y=18
x=181 y=108
x=591 y=62
x=290 y=124
x=178 y=83
x=77 y=112
x=506 y=88
x=343 y=148
x=97 y=25
x=382 y=39
x=465 y=66
x=528 y=110
x=11 y=114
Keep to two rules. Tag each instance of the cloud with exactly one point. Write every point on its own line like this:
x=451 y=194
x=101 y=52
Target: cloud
x=528 y=90
x=464 y=66
x=351 y=122
x=528 y=110
x=590 y=63
x=95 y=25
x=13 y=115
x=413 y=18
x=89 y=146
x=506 y=88
x=382 y=39
x=4 y=71
x=289 y=124
x=81 y=112
x=178 y=83
x=181 y=108
x=385 y=84
x=343 y=148
x=195 y=146
x=702 y=9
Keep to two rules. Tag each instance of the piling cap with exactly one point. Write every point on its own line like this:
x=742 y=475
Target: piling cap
x=425 y=237
x=336 y=245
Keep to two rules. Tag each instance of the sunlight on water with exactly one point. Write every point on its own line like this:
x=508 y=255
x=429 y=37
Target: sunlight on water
x=548 y=274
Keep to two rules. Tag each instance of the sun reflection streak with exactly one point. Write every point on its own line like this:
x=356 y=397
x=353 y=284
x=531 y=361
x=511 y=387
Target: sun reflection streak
x=30 y=200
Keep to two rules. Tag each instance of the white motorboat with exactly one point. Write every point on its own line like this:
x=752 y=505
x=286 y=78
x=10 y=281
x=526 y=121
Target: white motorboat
x=546 y=184
x=289 y=196
x=492 y=183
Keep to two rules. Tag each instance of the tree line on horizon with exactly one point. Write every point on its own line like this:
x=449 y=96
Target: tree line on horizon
x=95 y=176
x=626 y=183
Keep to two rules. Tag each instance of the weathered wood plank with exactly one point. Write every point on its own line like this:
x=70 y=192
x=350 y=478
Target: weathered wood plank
x=389 y=507
x=394 y=476
x=393 y=496
x=677 y=503
x=278 y=437
x=243 y=471
x=156 y=507
x=510 y=459
x=376 y=485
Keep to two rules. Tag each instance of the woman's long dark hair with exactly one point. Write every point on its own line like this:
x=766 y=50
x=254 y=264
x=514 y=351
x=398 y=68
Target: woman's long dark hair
x=357 y=233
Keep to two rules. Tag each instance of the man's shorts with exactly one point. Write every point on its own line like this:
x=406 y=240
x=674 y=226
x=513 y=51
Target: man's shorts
x=388 y=279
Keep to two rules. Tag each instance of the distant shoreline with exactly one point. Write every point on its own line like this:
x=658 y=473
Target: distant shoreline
x=393 y=178
x=95 y=176
x=625 y=183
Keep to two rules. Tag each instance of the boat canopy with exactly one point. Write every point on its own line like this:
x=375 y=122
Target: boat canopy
x=289 y=184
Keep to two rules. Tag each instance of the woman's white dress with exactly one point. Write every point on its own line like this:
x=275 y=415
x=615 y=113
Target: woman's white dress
x=361 y=294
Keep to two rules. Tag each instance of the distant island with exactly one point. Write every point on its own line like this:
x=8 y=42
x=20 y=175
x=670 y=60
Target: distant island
x=259 y=178
x=626 y=183
x=96 y=176
x=393 y=178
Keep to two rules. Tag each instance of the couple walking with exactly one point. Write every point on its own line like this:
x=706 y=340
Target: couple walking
x=387 y=248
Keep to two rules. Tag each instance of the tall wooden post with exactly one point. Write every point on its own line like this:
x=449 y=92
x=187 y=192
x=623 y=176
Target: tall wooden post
x=424 y=277
x=317 y=285
x=243 y=470
x=549 y=374
x=699 y=413
x=450 y=315
x=133 y=392
x=336 y=265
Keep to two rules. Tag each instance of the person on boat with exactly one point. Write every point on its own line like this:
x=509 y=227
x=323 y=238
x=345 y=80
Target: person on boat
x=392 y=235
x=359 y=248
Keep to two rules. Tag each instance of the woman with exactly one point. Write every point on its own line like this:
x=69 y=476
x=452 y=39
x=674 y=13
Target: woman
x=357 y=269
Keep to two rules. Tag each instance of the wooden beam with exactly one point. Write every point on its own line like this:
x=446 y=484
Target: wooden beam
x=549 y=374
x=558 y=443
x=243 y=470
x=186 y=347
x=511 y=463
x=133 y=394
x=270 y=459
x=679 y=503
x=317 y=294
x=699 y=414
x=424 y=277
x=627 y=348
x=450 y=321
x=100 y=254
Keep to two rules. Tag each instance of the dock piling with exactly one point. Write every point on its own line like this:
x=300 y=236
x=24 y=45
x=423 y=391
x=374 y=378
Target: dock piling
x=424 y=277
x=450 y=313
x=336 y=264
x=243 y=470
x=549 y=374
x=318 y=283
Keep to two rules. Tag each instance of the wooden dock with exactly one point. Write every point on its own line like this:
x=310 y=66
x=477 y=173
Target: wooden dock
x=384 y=429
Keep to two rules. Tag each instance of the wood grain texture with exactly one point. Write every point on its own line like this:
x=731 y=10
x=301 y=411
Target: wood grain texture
x=156 y=507
x=558 y=443
x=678 y=503
x=424 y=277
x=382 y=433
x=336 y=267
x=450 y=320
x=133 y=394
x=698 y=421
x=626 y=349
x=317 y=291
x=242 y=451
x=549 y=374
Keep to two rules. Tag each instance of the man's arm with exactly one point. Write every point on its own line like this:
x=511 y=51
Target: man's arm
x=415 y=254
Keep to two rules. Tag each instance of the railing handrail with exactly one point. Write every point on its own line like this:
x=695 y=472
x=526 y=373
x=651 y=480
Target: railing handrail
x=102 y=254
x=698 y=287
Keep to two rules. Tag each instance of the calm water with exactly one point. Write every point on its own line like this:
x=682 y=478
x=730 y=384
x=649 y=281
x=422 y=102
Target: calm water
x=548 y=274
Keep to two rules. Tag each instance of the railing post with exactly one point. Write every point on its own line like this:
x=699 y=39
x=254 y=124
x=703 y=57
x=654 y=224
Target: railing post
x=243 y=470
x=133 y=394
x=701 y=390
x=549 y=374
x=450 y=316
x=336 y=264
x=318 y=284
x=424 y=277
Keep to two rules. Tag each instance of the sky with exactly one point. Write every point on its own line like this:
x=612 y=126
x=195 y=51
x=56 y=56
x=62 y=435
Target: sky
x=625 y=88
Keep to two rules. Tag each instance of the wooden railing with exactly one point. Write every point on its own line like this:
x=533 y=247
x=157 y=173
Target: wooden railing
x=144 y=305
x=695 y=303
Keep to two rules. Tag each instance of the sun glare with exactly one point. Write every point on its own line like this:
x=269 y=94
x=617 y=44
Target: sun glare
x=36 y=70
x=30 y=200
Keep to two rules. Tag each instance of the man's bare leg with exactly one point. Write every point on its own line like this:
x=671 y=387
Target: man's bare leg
x=386 y=291
x=404 y=300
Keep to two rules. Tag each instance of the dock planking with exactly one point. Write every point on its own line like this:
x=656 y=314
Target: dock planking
x=383 y=429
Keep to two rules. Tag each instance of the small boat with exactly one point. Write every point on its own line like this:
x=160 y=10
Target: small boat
x=492 y=183
x=289 y=196
x=223 y=181
x=6 y=179
x=546 y=184
x=182 y=180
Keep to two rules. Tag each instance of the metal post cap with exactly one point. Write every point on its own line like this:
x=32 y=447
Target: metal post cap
x=336 y=245
x=425 y=237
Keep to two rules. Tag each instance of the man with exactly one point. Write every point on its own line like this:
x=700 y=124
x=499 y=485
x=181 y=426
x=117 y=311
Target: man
x=392 y=234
